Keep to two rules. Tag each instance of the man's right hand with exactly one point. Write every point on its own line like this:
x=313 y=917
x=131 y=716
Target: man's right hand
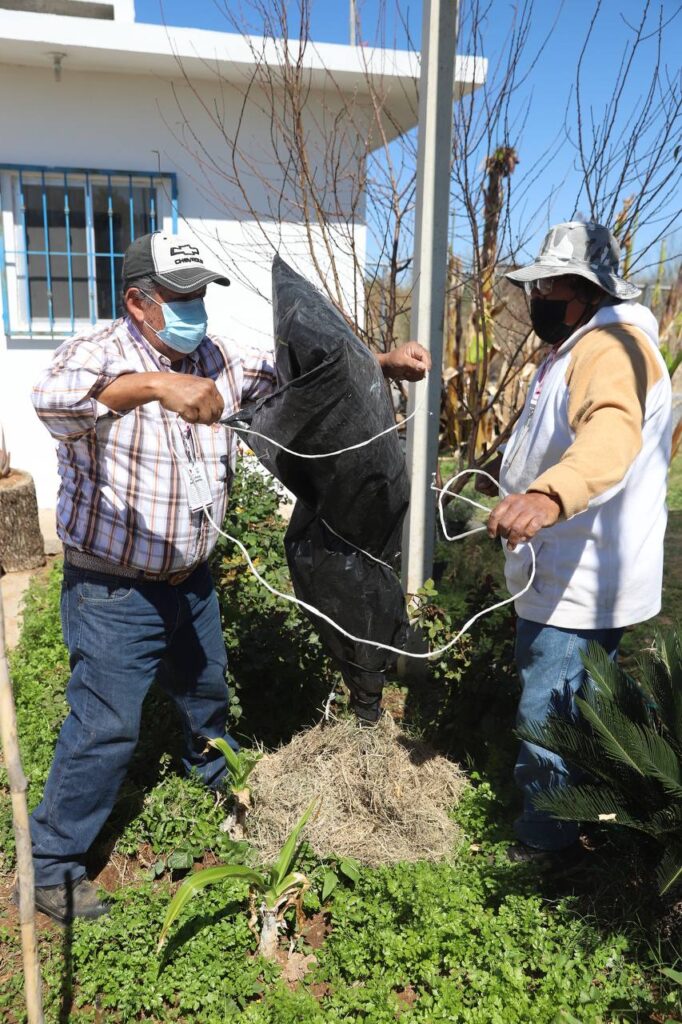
x=196 y=399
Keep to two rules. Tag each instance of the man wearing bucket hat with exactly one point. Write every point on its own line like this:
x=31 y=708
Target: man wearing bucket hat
x=584 y=474
x=134 y=406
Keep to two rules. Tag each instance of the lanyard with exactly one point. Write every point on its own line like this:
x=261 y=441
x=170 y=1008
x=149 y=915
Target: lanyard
x=540 y=383
x=188 y=442
x=535 y=398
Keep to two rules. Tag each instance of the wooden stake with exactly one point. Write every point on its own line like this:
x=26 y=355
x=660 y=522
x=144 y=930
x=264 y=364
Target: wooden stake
x=17 y=785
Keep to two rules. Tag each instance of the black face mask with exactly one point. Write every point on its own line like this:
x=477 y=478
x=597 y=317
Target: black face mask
x=547 y=318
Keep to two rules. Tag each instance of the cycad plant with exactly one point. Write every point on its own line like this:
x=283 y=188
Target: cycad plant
x=239 y=767
x=272 y=890
x=627 y=740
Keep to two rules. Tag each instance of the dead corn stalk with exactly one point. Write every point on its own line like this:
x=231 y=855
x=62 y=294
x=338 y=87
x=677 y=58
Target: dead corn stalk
x=17 y=785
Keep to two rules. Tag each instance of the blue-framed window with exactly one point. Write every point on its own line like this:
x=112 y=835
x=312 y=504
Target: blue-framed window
x=63 y=233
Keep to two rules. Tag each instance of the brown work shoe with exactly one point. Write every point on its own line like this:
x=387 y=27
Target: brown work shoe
x=65 y=902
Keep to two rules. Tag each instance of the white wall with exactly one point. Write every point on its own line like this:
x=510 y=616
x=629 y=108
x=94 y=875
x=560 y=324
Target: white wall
x=134 y=123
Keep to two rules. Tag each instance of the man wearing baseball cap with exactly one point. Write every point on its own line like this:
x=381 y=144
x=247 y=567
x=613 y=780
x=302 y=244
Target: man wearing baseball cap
x=134 y=406
x=585 y=476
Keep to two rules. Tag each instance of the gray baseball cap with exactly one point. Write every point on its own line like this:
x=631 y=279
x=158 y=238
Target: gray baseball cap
x=586 y=249
x=180 y=264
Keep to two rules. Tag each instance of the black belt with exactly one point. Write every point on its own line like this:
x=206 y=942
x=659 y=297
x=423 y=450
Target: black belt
x=81 y=560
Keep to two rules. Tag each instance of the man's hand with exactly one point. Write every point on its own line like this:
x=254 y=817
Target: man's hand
x=196 y=399
x=409 y=362
x=519 y=517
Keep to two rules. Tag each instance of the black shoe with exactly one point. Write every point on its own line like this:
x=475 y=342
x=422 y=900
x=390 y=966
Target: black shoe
x=519 y=853
x=367 y=709
x=557 y=862
x=65 y=902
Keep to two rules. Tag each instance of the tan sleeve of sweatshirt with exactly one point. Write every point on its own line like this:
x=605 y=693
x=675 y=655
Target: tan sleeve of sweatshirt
x=609 y=375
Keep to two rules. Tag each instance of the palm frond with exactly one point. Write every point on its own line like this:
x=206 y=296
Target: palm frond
x=665 y=821
x=586 y=803
x=660 y=759
x=627 y=738
x=669 y=872
x=613 y=728
x=573 y=742
x=666 y=684
x=601 y=669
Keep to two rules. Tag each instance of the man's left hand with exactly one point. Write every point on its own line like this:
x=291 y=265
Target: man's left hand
x=519 y=517
x=409 y=362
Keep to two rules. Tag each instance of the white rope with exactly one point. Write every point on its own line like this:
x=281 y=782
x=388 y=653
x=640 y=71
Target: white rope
x=462 y=497
x=325 y=455
x=373 y=643
x=362 y=551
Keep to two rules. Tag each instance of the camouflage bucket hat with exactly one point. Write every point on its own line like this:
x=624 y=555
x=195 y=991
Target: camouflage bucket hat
x=586 y=249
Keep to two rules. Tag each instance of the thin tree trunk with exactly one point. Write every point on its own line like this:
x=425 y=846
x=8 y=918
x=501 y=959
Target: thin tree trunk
x=17 y=785
x=21 y=542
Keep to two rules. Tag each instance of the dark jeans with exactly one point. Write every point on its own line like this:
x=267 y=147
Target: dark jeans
x=552 y=673
x=119 y=634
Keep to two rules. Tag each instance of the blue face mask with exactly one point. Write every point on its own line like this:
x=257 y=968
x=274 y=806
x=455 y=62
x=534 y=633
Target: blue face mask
x=186 y=324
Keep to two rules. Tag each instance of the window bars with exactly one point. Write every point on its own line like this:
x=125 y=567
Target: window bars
x=63 y=233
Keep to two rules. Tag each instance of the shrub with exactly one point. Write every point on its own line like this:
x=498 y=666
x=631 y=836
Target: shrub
x=280 y=675
x=628 y=739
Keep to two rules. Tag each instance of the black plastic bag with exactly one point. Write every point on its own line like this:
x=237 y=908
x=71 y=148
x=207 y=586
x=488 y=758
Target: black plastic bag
x=343 y=541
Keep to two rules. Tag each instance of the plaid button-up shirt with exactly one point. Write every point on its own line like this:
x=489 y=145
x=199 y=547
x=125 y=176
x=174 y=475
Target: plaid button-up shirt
x=123 y=493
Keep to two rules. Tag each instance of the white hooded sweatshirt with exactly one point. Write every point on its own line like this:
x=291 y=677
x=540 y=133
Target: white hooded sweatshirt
x=595 y=433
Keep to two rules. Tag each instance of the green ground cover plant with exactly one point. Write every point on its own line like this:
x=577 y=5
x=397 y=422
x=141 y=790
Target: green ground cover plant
x=474 y=940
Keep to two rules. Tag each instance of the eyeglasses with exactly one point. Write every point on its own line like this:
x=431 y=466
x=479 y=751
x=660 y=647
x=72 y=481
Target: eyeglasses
x=543 y=285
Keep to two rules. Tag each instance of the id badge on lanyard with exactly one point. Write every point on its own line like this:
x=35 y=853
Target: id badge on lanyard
x=535 y=398
x=198 y=490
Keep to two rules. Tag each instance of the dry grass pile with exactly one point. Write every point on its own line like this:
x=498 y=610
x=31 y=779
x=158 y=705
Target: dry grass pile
x=384 y=797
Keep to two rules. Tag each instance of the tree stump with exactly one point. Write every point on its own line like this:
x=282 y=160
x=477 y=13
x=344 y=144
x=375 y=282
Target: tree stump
x=21 y=542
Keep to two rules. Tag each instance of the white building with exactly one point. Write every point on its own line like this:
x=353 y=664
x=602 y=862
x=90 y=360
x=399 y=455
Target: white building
x=110 y=129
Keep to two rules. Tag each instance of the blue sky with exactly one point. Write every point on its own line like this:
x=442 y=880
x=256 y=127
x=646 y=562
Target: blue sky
x=556 y=35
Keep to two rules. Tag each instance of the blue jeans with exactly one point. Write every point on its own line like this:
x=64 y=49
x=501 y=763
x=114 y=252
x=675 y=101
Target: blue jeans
x=552 y=674
x=120 y=634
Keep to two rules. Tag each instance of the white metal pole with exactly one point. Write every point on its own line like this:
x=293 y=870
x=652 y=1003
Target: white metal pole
x=353 y=21
x=436 y=87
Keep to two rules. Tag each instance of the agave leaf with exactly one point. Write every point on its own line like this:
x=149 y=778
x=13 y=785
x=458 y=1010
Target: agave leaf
x=232 y=759
x=248 y=764
x=198 y=881
x=287 y=854
x=669 y=873
x=276 y=894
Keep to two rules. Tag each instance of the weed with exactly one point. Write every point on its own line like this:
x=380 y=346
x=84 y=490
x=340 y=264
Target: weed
x=276 y=888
